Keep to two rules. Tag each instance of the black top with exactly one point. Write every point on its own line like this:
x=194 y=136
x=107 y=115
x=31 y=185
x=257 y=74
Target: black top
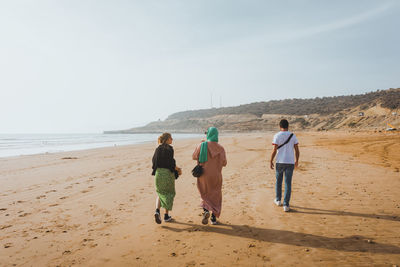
x=164 y=158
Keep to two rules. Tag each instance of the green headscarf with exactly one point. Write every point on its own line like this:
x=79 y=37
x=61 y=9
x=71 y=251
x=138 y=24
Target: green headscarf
x=212 y=136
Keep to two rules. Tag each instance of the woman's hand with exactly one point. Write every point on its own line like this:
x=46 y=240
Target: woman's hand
x=179 y=170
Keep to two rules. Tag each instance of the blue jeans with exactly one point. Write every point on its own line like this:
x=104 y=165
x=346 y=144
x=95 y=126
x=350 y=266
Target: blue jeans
x=282 y=168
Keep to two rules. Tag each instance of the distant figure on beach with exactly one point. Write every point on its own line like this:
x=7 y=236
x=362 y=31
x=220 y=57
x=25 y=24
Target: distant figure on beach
x=165 y=171
x=286 y=144
x=212 y=157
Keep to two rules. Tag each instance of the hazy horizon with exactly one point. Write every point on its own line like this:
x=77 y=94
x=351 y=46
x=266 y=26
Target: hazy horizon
x=92 y=66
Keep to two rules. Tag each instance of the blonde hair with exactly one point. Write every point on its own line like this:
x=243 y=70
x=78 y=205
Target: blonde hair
x=162 y=139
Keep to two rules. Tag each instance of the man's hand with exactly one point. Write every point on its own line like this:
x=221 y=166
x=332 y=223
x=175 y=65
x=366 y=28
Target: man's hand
x=273 y=156
x=297 y=150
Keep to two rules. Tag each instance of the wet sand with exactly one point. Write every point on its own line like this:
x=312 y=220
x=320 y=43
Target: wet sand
x=95 y=207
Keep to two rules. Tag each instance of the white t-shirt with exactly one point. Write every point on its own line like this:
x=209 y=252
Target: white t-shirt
x=285 y=153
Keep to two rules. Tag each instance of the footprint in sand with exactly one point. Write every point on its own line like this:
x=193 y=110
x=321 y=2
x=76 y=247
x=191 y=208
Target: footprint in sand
x=7 y=245
x=51 y=191
x=41 y=196
x=84 y=191
x=5 y=226
x=23 y=215
x=53 y=205
x=3 y=209
x=63 y=197
x=69 y=158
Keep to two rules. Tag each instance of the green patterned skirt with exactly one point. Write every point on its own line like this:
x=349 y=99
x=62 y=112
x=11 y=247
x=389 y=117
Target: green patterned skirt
x=165 y=187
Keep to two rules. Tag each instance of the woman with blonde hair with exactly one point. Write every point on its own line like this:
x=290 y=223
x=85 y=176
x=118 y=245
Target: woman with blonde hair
x=212 y=157
x=165 y=171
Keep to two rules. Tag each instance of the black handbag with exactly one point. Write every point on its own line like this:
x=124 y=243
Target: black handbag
x=197 y=171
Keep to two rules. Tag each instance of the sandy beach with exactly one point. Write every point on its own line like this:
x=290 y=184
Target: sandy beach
x=95 y=207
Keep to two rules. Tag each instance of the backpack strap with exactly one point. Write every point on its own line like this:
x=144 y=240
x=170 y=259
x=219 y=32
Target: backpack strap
x=287 y=141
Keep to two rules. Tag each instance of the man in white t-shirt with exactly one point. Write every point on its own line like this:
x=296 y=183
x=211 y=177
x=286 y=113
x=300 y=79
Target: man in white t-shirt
x=286 y=144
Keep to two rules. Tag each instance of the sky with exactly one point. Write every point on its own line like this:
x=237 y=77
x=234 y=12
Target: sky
x=81 y=66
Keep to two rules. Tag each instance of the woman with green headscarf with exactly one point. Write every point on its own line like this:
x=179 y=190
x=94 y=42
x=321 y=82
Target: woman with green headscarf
x=212 y=157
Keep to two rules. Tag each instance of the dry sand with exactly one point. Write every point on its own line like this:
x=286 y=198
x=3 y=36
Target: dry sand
x=95 y=207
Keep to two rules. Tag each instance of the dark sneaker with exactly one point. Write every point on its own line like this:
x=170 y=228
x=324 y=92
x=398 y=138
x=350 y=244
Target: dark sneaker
x=213 y=219
x=167 y=218
x=206 y=215
x=157 y=217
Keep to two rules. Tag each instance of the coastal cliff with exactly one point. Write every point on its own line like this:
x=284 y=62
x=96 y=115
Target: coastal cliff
x=370 y=111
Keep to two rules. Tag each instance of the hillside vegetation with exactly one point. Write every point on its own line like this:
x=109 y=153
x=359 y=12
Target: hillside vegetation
x=372 y=111
x=325 y=105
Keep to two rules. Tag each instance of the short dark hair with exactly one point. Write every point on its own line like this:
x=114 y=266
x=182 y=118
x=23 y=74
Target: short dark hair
x=284 y=124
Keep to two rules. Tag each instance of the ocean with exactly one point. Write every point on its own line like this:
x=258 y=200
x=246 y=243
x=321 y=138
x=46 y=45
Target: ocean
x=30 y=144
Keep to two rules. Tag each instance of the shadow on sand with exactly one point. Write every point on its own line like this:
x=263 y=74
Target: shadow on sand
x=347 y=244
x=314 y=211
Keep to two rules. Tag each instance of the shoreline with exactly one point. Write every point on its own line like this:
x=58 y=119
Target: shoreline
x=62 y=143
x=114 y=146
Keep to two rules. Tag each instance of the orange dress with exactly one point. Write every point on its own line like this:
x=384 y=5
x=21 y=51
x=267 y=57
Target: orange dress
x=210 y=183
